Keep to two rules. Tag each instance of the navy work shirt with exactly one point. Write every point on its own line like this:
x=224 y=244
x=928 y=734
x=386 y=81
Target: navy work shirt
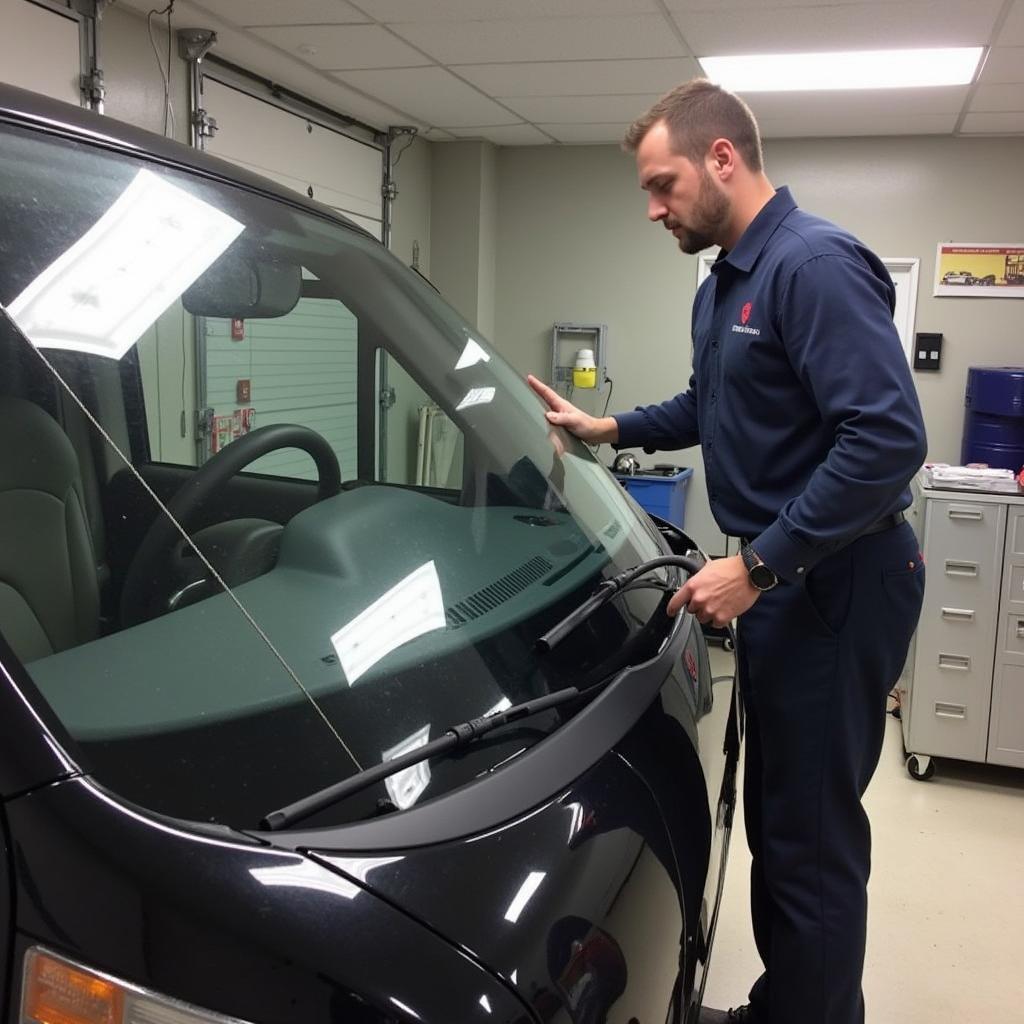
x=801 y=397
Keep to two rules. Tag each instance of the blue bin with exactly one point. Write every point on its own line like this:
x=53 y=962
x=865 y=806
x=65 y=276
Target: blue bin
x=662 y=493
x=994 y=417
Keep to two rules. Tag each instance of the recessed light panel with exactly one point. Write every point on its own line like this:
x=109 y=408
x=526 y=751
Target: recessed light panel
x=865 y=69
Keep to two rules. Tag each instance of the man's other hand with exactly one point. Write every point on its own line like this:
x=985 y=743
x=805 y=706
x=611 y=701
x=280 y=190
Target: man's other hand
x=562 y=413
x=718 y=593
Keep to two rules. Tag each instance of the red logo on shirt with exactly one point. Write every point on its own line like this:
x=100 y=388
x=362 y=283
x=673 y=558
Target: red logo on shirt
x=745 y=312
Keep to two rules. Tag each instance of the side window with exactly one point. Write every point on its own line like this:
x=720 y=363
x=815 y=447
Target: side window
x=423 y=447
x=299 y=368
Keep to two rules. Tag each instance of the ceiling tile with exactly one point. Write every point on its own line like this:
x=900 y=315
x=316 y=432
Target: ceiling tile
x=431 y=94
x=580 y=77
x=1012 y=33
x=818 y=126
x=580 y=109
x=490 y=10
x=586 y=133
x=337 y=47
x=506 y=135
x=857 y=103
x=539 y=39
x=1004 y=124
x=992 y=98
x=840 y=27
x=1004 y=64
x=273 y=12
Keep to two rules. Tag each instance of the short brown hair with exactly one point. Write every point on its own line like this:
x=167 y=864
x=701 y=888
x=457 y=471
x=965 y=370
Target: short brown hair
x=696 y=113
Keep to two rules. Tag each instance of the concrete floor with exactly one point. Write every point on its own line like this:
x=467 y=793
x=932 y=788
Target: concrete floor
x=946 y=917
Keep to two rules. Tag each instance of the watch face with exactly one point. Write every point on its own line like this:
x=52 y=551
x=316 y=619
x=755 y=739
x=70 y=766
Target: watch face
x=762 y=577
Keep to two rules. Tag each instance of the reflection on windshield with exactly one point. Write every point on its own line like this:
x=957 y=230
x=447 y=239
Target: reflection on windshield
x=104 y=291
x=471 y=355
x=407 y=786
x=476 y=396
x=412 y=607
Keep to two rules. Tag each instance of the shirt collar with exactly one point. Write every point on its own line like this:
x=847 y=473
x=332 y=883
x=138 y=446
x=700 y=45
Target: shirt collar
x=761 y=228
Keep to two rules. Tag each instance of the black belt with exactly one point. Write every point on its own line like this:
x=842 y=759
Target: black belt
x=885 y=523
x=888 y=522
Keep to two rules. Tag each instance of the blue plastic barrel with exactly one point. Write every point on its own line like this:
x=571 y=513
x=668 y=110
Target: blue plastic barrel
x=994 y=417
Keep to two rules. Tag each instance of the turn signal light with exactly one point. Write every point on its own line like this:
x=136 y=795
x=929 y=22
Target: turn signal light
x=58 y=991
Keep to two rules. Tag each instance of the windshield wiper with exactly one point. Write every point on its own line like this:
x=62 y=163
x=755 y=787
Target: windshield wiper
x=468 y=732
x=457 y=736
x=606 y=591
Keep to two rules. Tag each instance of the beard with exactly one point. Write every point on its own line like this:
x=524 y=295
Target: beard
x=710 y=216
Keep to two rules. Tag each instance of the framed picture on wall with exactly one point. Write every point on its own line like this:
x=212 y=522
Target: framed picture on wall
x=985 y=270
x=904 y=271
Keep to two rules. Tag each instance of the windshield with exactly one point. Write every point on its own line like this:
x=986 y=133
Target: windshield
x=275 y=513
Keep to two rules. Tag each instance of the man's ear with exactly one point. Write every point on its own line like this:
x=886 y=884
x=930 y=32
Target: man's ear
x=722 y=159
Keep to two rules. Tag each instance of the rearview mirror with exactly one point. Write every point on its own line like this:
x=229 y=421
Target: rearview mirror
x=243 y=288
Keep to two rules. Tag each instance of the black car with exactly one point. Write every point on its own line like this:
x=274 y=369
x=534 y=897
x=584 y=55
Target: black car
x=283 y=739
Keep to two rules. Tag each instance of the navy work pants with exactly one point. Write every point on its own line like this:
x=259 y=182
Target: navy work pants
x=816 y=662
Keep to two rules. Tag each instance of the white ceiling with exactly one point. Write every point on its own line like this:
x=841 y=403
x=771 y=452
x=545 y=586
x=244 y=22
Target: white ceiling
x=530 y=72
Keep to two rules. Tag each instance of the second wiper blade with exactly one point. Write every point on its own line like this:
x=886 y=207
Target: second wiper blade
x=606 y=591
x=457 y=736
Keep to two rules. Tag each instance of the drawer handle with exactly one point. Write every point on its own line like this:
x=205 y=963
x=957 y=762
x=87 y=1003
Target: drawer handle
x=944 y=710
x=966 y=513
x=962 y=615
x=961 y=568
x=959 y=662
x=1020 y=629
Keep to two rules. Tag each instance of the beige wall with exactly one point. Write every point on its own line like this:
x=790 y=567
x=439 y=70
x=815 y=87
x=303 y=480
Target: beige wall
x=464 y=228
x=574 y=244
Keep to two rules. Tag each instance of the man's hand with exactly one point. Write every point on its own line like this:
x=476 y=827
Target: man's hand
x=718 y=593
x=562 y=413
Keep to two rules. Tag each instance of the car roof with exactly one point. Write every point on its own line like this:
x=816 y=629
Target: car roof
x=21 y=107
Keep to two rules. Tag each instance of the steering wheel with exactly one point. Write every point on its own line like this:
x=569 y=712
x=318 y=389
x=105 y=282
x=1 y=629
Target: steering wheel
x=141 y=594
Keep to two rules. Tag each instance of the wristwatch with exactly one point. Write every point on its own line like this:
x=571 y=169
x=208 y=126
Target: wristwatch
x=760 y=576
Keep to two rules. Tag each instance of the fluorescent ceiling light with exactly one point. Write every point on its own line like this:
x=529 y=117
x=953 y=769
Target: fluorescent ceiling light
x=865 y=69
x=102 y=293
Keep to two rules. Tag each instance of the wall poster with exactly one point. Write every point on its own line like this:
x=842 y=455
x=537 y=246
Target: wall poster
x=990 y=270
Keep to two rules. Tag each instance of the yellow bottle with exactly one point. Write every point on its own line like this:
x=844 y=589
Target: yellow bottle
x=584 y=373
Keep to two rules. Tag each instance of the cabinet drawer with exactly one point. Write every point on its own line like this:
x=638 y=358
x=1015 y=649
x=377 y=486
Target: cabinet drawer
x=1006 y=729
x=967 y=532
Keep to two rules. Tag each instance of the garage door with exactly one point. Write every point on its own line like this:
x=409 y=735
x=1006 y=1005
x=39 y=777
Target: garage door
x=40 y=49
x=300 y=368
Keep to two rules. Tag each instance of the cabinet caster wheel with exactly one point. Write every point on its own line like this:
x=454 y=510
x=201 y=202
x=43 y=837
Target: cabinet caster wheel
x=920 y=767
x=728 y=645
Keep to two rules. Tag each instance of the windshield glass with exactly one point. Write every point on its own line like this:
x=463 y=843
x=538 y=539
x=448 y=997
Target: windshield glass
x=275 y=512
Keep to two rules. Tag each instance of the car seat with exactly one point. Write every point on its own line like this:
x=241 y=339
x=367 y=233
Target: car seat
x=49 y=592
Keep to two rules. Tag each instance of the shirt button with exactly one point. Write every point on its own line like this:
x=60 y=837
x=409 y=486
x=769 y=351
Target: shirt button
x=800 y=570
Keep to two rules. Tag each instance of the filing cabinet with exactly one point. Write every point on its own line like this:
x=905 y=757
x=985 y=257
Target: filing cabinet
x=962 y=689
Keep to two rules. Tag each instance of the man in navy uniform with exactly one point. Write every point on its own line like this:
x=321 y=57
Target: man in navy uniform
x=802 y=402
